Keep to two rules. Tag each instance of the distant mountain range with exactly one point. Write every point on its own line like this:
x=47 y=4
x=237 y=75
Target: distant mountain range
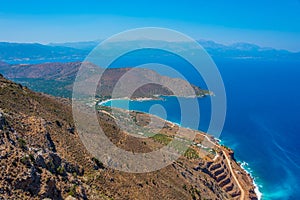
x=216 y=50
x=38 y=53
x=21 y=53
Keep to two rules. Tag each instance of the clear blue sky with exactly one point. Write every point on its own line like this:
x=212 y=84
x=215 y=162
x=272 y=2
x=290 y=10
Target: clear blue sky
x=273 y=23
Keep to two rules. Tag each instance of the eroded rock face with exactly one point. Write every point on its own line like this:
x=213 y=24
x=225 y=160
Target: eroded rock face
x=33 y=172
x=50 y=190
x=2 y=121
x=29 y=182
x=50 y=142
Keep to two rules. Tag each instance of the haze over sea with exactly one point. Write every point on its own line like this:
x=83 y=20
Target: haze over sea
x=262 y=123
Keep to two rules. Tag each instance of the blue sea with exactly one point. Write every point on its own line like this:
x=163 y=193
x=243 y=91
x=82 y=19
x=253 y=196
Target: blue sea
x=262 y=124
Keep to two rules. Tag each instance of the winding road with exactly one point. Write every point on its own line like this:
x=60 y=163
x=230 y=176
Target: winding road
x=235 y=178
x=242 y=197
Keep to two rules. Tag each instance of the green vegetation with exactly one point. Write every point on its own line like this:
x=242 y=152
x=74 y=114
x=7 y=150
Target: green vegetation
x=53 y=87
x=72 y=190
x=195 y=193
x=180 y=145
x=61 y=170
x=51 y=166
x=22 y=143
x=31 y=157
x=163 y=139
x=105 y=108
x=24 y=160
x=191 y=153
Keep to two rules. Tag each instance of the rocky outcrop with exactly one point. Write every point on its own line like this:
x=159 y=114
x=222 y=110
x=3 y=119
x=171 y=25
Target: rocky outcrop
x=50 y=142
x=32 y=172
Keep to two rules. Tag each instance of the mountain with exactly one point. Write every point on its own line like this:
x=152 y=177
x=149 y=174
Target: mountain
x=247 y=51
x=58 y=78
x=88 y=45
x=218 y=51
x=34 y=52
x=29 y=53
x=42 y=157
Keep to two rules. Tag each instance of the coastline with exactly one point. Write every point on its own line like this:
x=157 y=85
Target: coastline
x=243 y=165
x=155 y=97
x=217 y=140
x=140 y=99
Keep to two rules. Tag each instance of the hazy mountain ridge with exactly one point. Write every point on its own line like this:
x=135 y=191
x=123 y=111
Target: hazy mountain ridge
x=77 y=51
x=234 y=51
x=26 y=52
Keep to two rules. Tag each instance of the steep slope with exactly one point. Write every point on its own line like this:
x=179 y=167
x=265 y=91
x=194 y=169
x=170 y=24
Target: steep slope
x=42 y=157
x=35 y=133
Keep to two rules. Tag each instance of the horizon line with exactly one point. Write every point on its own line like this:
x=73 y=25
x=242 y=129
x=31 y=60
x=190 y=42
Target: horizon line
x=100 y=40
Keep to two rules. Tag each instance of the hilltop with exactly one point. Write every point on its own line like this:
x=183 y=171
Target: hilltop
x=57 y=79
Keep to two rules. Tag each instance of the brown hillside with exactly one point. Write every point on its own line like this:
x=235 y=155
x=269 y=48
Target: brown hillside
x=42 y=156
x=57 y=79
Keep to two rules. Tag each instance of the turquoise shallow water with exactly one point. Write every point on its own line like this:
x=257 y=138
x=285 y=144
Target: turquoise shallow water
x=262 y=123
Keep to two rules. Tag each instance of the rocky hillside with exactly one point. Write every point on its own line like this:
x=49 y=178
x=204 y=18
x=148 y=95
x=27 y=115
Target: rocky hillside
x=41 y=157
x=57 y=79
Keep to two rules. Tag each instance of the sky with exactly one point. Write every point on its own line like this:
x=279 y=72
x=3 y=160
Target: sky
x=268 y=23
